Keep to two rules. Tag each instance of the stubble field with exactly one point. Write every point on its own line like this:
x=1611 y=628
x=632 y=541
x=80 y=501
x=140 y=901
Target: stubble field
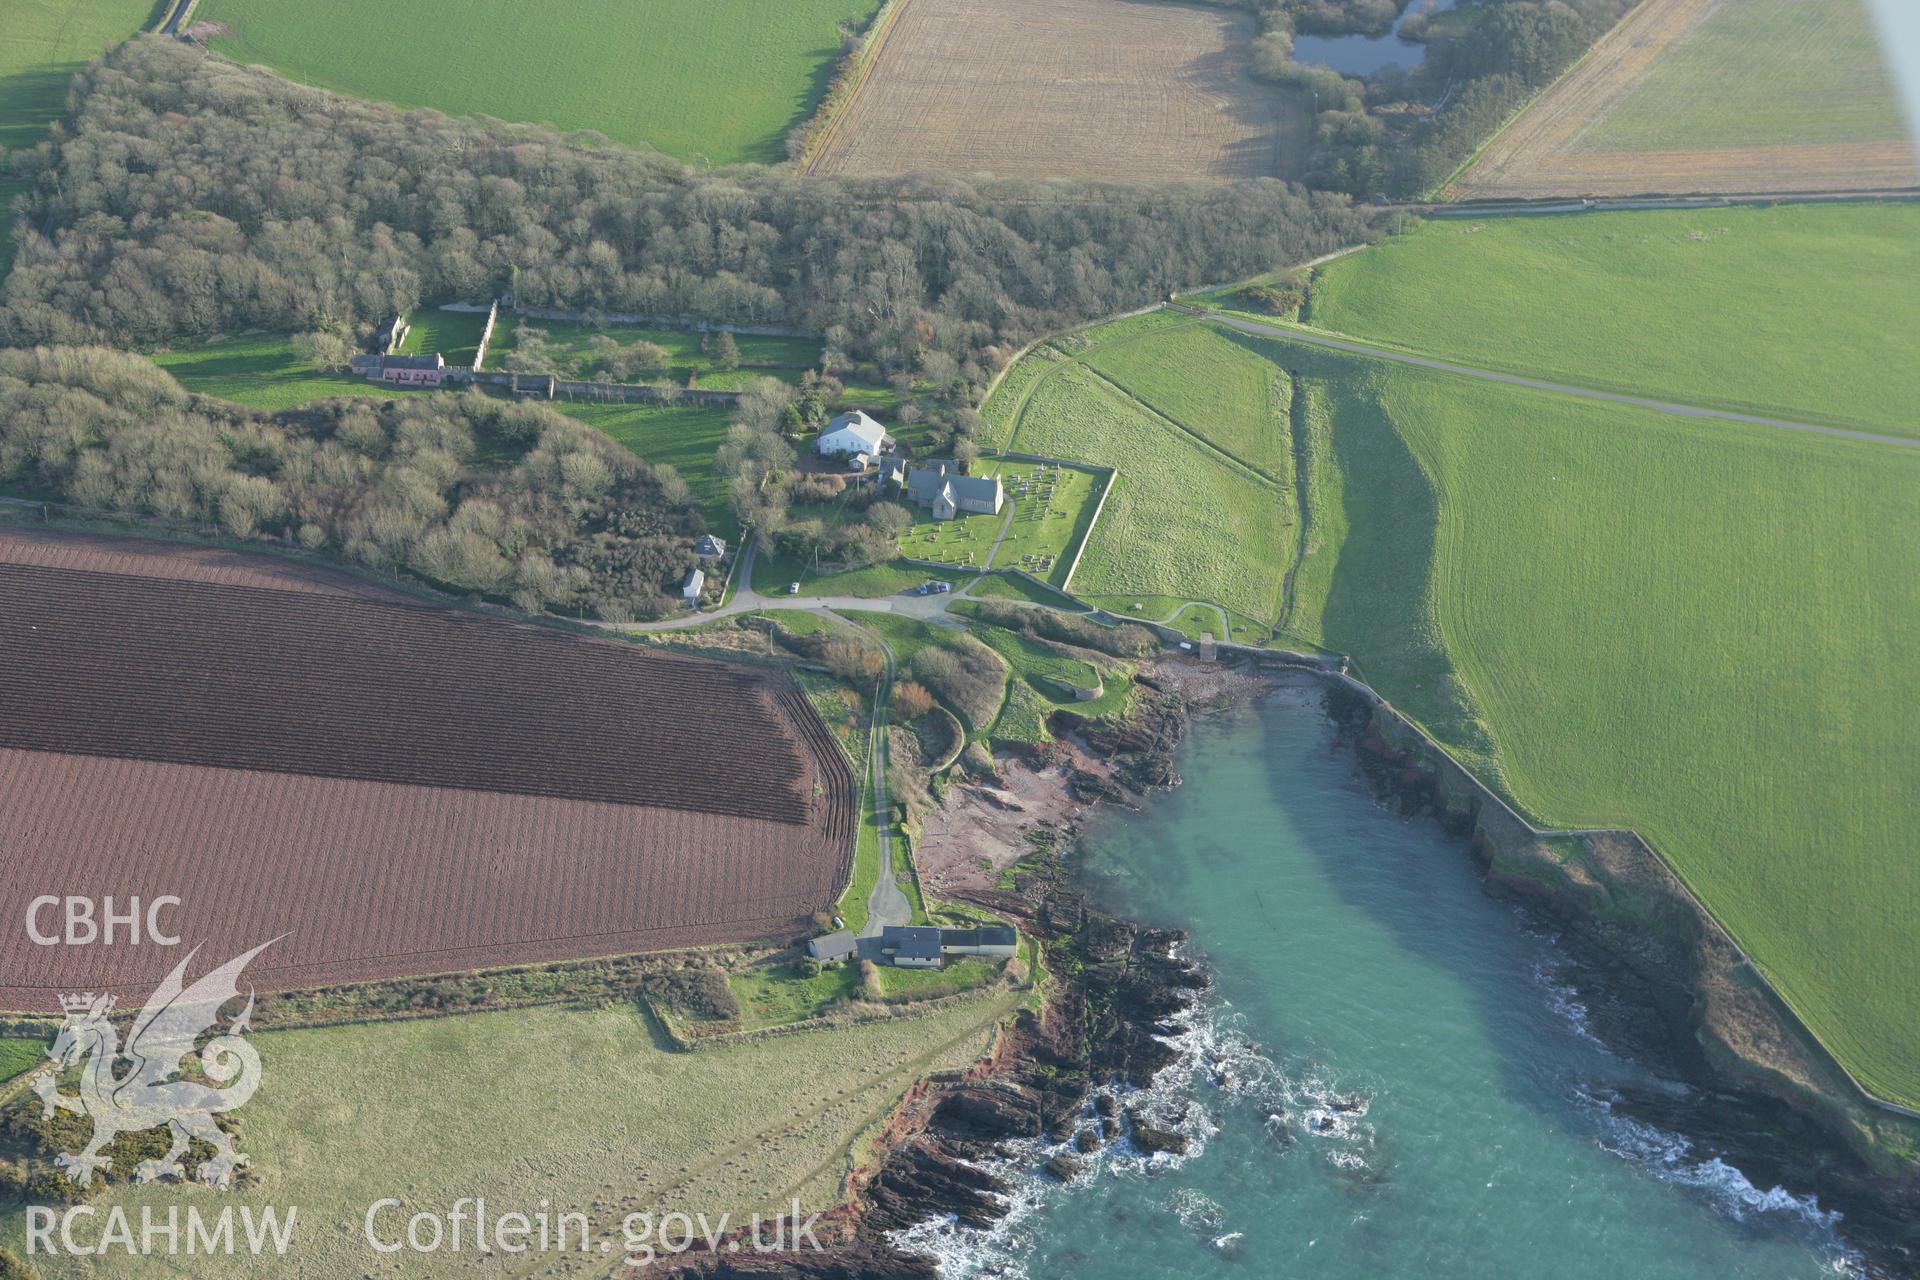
x=1710 y=95
x=1101 y=89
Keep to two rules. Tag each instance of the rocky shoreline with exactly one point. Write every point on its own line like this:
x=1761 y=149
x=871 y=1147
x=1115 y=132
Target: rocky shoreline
x=1116 y=989
x=1656 y=992
x=1122 y=985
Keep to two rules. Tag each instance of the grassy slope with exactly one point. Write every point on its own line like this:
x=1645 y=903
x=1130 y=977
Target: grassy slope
x=1760 y=73
x=724 y=79
x=1685 y=627
x=1201 y=379
x=591 y=1113
x=1181 y=520
x=1800 y=311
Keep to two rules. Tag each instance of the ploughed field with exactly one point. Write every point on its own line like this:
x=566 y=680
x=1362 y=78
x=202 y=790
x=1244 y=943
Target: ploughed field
x=1710 y=95
x=1105 y=89
x=400 y=787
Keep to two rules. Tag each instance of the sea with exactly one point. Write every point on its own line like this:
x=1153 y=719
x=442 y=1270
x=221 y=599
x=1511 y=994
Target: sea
x=1390 y=1076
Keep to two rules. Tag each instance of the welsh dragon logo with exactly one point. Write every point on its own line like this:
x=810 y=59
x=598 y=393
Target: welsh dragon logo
x=148 y=1094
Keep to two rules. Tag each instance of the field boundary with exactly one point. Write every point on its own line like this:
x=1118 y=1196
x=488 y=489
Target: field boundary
x=825 y=123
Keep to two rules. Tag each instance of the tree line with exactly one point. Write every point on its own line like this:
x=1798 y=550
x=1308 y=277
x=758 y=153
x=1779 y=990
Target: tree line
x=500 y=498
x=190 y=196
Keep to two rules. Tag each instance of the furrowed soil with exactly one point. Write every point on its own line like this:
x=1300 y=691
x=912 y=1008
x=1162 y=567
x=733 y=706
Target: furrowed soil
x=399 y=787
x=1101 y=89
x=1709 y=96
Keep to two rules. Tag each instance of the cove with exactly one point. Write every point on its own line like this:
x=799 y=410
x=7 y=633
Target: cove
x=1388 y=1079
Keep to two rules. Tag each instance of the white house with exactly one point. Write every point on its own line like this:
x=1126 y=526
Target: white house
x=853 y=433
x=690 y=593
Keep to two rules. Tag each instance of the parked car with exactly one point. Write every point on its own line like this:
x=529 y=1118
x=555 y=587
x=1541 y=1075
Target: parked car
x=793 y=588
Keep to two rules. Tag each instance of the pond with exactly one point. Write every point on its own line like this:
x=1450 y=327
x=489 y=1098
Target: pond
x=1363 y=55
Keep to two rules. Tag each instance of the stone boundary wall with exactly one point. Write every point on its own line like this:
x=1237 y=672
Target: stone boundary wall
x=486 y=335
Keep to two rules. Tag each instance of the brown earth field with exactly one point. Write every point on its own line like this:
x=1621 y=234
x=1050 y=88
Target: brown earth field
x=1539 y=154
x=398 y=787
x=1120 y=90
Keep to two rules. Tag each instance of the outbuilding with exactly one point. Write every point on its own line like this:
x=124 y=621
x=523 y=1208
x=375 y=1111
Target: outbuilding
x=990 y=940
x=695 y=584
x=829 y=947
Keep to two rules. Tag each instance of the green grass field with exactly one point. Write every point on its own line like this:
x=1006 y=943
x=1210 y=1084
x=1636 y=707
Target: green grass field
x=721 y=81
x=262 y=372
x=760 y=357
x=1183 y=520
x=1800 y=311
x=582 y=1110
x=453 y=334
x=1690 y=628
x=42 y=43
x=1760 y=73
x=1203 y=380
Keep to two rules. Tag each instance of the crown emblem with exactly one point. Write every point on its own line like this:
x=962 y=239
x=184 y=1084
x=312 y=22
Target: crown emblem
x=79 y=1003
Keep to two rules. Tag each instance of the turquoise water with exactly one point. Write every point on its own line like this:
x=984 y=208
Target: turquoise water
x=1359 y=965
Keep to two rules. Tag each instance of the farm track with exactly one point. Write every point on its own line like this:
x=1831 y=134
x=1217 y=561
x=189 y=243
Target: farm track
x=1014 y=89
x=401 y=788
x=1314 y=338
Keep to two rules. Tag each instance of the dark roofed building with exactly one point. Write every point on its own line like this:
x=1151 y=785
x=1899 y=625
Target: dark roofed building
x=911 y=946
x=940 y=486
x=992 y=940
x=829 y=947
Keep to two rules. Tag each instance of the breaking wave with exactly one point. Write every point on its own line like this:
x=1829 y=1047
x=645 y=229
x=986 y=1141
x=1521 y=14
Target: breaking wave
x=1218 y=1066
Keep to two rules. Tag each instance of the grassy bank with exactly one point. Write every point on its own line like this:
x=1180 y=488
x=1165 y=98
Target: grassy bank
x=582 y=1110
